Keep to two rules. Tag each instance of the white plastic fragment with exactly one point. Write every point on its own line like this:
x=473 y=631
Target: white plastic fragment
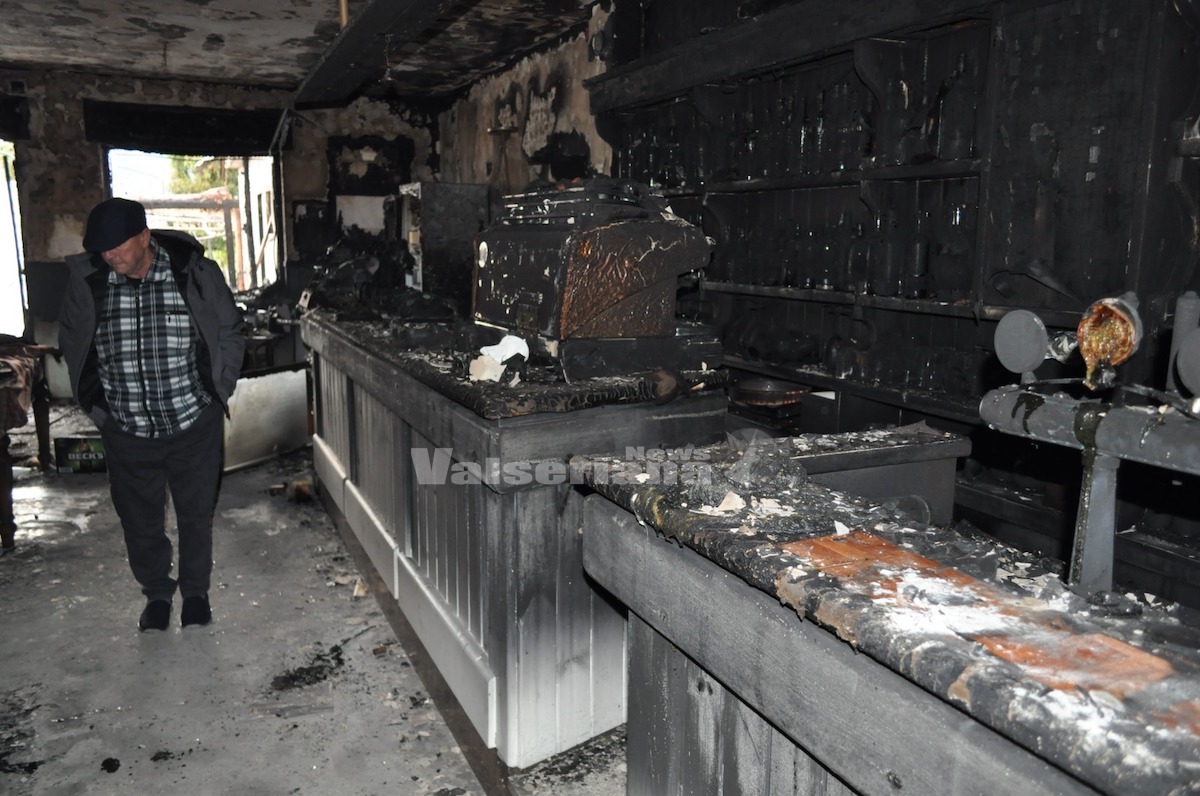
x=732 y=502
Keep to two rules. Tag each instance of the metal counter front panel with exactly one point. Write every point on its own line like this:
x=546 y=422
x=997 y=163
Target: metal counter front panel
x=488 y=574
x=332 y=409
x=447 y=542
x=381 y=468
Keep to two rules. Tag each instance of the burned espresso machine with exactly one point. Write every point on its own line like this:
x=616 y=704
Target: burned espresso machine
x=586 y=273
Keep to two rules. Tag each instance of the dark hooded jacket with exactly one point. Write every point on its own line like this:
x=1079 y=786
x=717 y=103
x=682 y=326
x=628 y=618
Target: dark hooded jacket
x=209 y=302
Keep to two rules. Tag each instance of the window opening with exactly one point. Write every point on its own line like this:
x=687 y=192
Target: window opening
x=214 y=199
x=13 y=298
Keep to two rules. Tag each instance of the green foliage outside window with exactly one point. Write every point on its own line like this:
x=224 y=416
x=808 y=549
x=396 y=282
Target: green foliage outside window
x=196 y=174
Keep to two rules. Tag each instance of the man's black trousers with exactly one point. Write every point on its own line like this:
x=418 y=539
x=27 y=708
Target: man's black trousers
x=140 y=471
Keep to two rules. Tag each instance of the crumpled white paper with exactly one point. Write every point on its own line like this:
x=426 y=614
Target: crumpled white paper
x=489 y=366
x=484 y=368
x=504 y=349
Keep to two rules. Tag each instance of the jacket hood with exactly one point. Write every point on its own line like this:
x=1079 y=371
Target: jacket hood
x=178 y=235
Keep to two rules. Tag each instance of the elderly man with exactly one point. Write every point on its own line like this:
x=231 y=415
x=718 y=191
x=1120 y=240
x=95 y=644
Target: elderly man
x=153 y=344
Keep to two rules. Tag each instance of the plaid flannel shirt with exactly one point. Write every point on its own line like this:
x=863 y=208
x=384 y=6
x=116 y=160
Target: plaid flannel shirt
x=147 y=351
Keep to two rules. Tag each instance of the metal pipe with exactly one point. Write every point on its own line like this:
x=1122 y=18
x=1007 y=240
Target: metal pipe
x=1048 y=418
x=1140 y=434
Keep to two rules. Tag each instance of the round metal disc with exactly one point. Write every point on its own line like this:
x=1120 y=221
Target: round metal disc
x=1021 y=341
x=1187 y=361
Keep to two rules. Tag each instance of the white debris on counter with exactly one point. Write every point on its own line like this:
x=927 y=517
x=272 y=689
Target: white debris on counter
x=489 y=365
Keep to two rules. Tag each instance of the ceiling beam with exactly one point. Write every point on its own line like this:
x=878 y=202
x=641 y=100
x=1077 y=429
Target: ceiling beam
x=357 y=54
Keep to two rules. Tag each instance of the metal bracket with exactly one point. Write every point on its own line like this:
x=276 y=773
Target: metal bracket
x=1095 y=525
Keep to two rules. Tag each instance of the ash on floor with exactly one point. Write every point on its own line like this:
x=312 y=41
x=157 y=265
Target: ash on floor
x=595 y=768
x=298 y=686
x=92 y=706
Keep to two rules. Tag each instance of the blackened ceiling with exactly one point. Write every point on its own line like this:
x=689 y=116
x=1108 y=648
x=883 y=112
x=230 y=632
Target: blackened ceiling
x=404 y=48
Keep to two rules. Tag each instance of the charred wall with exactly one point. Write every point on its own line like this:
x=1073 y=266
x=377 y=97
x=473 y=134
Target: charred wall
x=515 y=127
x=60 y=173
x=368 y=148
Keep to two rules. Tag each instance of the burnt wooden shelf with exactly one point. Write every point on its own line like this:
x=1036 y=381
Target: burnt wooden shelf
x=926 y=306
x=936 y=170
x=776 y=291
x=1141 y=561
x=1067 y=319
x=907 y=398
x=800 y=32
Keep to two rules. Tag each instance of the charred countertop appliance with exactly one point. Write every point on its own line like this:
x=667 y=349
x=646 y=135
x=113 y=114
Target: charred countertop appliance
x=587 y=271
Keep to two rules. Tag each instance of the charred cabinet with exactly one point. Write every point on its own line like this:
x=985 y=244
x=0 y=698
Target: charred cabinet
x=885 y=181
x=883 y=185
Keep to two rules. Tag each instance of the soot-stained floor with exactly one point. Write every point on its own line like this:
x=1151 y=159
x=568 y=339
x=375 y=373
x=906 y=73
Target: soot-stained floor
x=300 y=684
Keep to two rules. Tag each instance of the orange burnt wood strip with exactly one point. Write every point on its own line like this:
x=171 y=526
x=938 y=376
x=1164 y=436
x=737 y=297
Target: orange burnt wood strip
x=1184 y=715
x=1021 y=631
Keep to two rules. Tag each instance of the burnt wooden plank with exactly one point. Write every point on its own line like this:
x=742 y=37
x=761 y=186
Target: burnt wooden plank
x=453 y=545
x=422 y=516
x=608 y=627
x=336 y=425
x=465 y=541
x=534 y=584
x=701 y=707
x=441 y=510
x=476 y=592
x=318 y=387
x=499 y=638
x=693 y=735
x=787 y=764
x=864 y=722
x=572 y=618
x=369 y=450
x=404 y=485
x=649 y=729
x=745 y=746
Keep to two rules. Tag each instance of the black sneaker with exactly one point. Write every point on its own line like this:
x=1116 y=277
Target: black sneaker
x=155 y=616
x=195 y=611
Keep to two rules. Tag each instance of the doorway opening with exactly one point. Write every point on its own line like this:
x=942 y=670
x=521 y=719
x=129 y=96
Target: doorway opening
x=226 y=203
x=14 y=314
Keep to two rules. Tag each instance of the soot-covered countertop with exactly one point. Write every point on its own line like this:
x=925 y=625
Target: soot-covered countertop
x=1108 y=687
x=438 y=355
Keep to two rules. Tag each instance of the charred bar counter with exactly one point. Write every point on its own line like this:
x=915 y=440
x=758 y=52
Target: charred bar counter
x=786 y=638
x=488 y=569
